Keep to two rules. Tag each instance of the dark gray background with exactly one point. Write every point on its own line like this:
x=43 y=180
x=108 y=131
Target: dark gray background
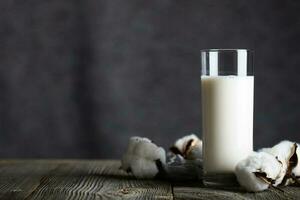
x=79 y=77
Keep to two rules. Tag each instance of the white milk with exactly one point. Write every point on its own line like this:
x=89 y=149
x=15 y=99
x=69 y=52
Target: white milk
x=227 y=104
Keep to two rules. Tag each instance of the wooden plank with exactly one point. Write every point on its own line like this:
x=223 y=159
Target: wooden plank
x=19 y=178
x=78 y=179
x=97 y=180
x=198 y=191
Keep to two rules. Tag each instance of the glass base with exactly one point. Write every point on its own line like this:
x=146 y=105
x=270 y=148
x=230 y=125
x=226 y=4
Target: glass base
x=220 y=180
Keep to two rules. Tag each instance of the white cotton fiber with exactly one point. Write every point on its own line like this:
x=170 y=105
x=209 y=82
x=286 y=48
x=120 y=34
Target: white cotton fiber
x=141 y=157
x=190 y=147
x=284 y=151
x=263 y=164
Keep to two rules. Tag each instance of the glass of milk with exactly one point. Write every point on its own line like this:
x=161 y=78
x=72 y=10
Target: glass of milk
x=227 y=87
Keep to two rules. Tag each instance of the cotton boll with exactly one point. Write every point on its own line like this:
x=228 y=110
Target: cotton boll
x=128 y=156
x=296 y=170
x=190 y=147
x=150 y=151
x=142 y=168
x=293 y=170
x=291 y=177
x=142 y=156
x=258 y=171
x=286 y=153
x=282 y=150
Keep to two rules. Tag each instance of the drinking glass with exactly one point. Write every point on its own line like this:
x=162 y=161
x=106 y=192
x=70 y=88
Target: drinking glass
x=227 y=87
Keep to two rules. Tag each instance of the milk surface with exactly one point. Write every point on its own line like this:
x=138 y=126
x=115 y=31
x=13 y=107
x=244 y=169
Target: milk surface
x=227 y=106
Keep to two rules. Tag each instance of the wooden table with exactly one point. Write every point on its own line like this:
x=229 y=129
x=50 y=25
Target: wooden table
x=102 y=179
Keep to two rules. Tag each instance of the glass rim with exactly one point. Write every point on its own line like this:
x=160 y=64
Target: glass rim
x=225 y=50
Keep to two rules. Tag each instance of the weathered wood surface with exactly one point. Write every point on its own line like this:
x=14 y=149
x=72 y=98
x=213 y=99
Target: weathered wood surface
x=71 y=179
x=197 y=191
x=86 y=179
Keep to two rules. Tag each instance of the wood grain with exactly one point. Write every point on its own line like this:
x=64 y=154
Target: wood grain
x=102 y=179
x=19 y=178
x=197 y=191
x=98 y=180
